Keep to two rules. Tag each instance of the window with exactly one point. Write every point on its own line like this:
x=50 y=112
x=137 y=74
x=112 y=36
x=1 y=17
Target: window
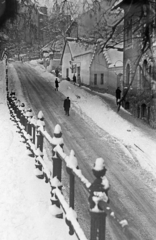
x=102 y=78
x=73 y=68
x=95 y=79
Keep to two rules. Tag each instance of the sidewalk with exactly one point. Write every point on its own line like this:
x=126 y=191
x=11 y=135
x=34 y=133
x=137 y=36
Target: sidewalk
x=25 y=199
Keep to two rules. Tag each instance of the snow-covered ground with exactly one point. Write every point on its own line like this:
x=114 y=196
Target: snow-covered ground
x=137 y=144
x=25 y=200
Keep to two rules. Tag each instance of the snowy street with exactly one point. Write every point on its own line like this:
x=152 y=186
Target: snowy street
x=25 y=200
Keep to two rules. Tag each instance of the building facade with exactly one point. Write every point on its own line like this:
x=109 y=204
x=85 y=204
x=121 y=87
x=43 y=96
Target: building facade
x=139 y=61
x=98 y=70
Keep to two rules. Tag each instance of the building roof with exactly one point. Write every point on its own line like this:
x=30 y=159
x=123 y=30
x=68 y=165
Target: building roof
x=114 y=57
x=78 y=48
x=55 y=46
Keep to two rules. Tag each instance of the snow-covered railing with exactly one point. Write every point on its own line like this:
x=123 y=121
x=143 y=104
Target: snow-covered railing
x=33 y=131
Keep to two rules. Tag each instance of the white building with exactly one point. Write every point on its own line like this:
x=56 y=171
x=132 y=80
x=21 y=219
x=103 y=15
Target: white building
x=97 y=69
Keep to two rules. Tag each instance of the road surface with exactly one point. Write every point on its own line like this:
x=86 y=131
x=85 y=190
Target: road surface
x=130 y=197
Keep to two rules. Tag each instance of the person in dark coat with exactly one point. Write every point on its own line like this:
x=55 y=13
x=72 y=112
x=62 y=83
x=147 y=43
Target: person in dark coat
x=74 y=79
x=67 y=106
x=56 y=85
x=56 y=72
x=118 y=95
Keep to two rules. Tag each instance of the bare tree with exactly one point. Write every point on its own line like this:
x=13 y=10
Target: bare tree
x=106 y=24
x=8 y=11
x=22 y=32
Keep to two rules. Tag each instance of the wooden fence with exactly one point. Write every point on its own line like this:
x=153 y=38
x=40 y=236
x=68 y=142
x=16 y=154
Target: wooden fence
x=34 y=133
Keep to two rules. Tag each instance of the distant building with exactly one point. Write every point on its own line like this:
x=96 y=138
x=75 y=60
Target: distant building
x=54 y=51
x=101 y=70
x=141 y=98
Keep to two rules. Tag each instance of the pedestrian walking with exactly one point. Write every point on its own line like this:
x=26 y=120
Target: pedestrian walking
x=74 y=79
x=66 y=106
x=56 y=84
x=56 y=72
x=118 y=95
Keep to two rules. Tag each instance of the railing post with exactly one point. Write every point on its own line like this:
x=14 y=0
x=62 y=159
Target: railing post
x=7 y=82
x=57 y=168
x=22 y=114
x=55 y=208
x=18 y=110
x=72 y=162
x=28 y=118
x=72 y=190
x=6 y=77
x=29 y=123
x=39 y=145
x=98 y=201
x=57 y=162
x=33 y=130
x=40 y=123
x=33 y=123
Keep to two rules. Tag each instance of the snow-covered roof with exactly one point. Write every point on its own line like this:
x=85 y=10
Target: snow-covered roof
x=56 y=46
x=114 y=57
x=48 y=46
x=78 y=48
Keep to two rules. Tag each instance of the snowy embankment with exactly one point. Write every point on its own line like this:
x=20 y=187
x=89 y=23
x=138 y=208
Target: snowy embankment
x=25 y=200
x=137 y=145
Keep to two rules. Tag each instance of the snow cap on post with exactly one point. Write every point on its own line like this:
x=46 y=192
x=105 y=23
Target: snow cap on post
x=99 y=168
x=57 y=139
x=58 y=131
x=99 y=188
x=22 y=106
x=99 y=164
x=33 y=121
x=40 y=120
x=56 y=183
x=40 y=115
x=29 y=113
x=72 y=160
